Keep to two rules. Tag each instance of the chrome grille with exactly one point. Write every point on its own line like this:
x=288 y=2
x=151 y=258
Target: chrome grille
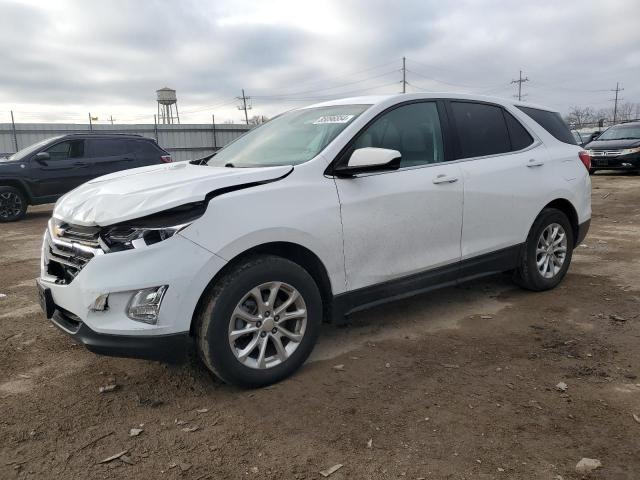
x=66 y=251
x=605 y=153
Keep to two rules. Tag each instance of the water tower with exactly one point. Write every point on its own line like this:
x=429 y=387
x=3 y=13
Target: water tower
x=167 y=103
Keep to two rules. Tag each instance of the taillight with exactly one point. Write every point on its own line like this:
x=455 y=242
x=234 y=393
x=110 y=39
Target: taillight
x=166 y=158
x=585 y=159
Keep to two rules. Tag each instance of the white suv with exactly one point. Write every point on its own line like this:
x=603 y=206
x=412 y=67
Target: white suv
x=320 y=212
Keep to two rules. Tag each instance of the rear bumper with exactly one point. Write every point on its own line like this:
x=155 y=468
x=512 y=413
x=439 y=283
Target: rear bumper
x=583 y=229
x=172 y=348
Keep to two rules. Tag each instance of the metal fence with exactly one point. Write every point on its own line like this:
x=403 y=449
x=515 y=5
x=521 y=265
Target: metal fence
x=184 y=142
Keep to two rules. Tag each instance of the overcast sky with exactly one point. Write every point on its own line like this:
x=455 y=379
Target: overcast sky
x=62 y=59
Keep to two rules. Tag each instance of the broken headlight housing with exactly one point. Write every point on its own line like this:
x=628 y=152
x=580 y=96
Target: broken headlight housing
x=151 y=229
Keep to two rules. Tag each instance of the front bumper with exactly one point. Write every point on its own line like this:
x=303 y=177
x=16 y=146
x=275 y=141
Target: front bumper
x=185 y=267
x=622 y=162
x=172 y=348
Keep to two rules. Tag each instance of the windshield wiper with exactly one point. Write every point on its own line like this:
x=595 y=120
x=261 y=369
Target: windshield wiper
x=229 y=165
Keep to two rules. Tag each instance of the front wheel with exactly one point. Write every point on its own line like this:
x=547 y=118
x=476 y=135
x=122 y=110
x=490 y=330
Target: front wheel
x=13 y=204
x=547 y=252
x=260 y=322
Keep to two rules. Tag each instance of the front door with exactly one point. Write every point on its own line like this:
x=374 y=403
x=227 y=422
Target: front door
x=407 y=221
x=66 y=168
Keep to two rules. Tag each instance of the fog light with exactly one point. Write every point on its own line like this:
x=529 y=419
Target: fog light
x=100 y=304
x=144 y=306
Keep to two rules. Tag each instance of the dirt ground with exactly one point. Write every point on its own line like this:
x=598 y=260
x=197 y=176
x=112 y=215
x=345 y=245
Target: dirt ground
x=456 y=384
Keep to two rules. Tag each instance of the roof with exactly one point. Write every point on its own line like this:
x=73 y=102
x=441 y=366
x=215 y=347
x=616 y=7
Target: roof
x=391 y=99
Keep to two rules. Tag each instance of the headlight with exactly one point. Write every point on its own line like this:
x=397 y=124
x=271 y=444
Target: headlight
x=151 y=229
x=123 y=237
x=629 y=151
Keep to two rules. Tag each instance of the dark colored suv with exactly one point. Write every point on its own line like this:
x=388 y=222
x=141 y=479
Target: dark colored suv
x=43 y=172
x=618 y=148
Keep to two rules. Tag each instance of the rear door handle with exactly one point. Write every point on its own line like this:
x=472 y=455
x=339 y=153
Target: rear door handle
x=535 y=163
x=442 y=178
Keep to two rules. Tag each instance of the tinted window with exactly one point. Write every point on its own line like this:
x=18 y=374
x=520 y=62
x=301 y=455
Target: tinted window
x=481 y=129
x=146 y=148
x=413 y=130
x=104 y=147
x=519 y=136
x=64 y=150
x=552 y=122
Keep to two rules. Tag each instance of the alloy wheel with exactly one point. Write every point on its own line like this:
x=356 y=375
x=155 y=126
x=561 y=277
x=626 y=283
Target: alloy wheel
x=551 y=250
x=267 y=325
x=10 y=205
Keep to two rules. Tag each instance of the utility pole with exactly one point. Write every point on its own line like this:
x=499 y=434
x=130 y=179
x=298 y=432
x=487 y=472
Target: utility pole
x=15 y=135
x=404 y=75
x=111 y=119
x=244 y=106
x=520 y=81
x=615 y=105
x=90 y=122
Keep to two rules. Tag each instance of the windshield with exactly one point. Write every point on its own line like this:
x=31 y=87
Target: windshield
x=289 y=139
x=25 y=152
x=621 y=132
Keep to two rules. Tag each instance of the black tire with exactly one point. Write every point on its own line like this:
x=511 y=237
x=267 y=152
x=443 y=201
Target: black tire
x=527 y=274
x=13 y=204
x=212 y=329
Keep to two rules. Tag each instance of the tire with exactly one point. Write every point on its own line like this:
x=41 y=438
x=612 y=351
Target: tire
x=230 y=306
x=13 y=204
x=529 y=274
x=592 y=171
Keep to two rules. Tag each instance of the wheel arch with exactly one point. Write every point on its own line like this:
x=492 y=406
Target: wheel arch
x=294 y=252
x=15 y=183
x=566 y=207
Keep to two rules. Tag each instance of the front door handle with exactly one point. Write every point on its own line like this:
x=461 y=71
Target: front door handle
x=80 y=164
x=442 y=178
x=535 y=163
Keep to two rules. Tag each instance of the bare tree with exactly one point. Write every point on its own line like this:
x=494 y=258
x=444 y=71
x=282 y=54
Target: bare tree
x=581 y=116
x=258 y=119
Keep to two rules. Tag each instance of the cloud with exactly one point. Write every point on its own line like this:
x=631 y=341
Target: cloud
x=61 y=59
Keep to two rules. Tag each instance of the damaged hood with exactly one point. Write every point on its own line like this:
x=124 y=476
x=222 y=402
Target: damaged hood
x=139 y=192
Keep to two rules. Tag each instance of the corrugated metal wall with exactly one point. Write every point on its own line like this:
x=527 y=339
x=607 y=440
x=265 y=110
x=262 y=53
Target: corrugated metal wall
x=184 y=142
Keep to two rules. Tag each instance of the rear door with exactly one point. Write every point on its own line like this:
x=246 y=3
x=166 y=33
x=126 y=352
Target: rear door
x=504 y=179
x=406 y=221
x=66 y=168
x=110 y=155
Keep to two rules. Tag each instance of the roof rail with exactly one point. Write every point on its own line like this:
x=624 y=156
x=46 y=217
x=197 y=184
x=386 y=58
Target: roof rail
x=104 y=133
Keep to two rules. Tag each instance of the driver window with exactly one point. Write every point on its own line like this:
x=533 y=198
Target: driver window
x=65 y=150
x=414 y=130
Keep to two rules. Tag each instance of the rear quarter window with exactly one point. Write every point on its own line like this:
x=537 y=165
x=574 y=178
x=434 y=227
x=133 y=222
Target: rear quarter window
x=552 y=122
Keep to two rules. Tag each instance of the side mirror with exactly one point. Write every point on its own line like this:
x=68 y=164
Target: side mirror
x=370 y=159
x=42 y=158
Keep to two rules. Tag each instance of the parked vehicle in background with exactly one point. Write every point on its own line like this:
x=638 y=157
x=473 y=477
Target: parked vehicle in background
x=617 y=148
x=321 y=212
x=44 y=171
x=583 y=137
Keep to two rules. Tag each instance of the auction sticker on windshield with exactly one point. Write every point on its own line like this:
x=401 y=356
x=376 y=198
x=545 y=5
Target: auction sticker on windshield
x=333 y=119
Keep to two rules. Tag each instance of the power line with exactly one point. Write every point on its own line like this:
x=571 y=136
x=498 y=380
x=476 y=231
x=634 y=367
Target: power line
x=520 y=81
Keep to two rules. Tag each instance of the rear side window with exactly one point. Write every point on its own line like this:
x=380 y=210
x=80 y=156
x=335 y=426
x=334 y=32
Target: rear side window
x=146 y=148
x=482 y=129
x=552 y=122
x=520 y=138
x=104 y=147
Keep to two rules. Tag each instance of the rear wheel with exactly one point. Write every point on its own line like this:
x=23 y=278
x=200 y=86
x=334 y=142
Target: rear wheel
x=13 y=204
x=547 y=253
x=260 y=323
